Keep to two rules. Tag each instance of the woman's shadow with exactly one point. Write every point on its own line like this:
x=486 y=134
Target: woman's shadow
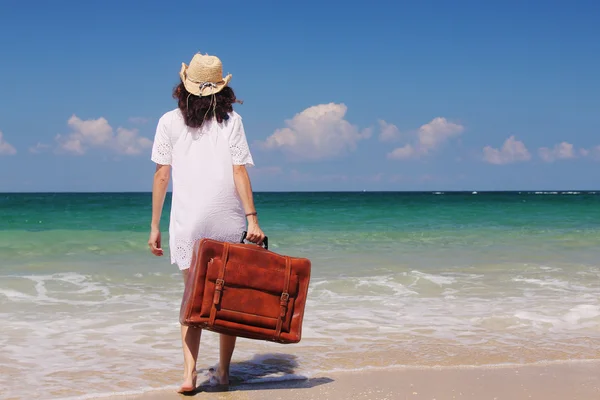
x=264 y=372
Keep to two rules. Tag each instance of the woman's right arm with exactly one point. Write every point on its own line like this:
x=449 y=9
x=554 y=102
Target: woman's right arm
x=161 y=156
x=162 y=176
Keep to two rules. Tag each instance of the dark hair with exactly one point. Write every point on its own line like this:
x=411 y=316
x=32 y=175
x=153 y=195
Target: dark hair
x=195 y=108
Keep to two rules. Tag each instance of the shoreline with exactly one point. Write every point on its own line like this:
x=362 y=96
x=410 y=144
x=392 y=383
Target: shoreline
x=564 y=380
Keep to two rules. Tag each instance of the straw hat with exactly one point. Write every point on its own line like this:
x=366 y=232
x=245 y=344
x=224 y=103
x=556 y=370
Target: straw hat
x=204 y=75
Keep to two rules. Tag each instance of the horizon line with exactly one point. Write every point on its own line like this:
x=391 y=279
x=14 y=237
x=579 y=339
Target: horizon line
x=327 y=191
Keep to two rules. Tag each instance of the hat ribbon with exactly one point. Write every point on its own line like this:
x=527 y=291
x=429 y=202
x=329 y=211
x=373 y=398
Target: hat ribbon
x=204 y=85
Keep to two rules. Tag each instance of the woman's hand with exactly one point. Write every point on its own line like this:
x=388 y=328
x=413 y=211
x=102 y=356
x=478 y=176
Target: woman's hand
x=254 y=234
x=154 y=243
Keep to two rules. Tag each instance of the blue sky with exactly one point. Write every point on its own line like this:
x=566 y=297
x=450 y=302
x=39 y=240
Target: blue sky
x=428 y=95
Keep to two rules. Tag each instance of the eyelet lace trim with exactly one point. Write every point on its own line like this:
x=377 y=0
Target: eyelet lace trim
x=162 y=154
x=184 y=249
x=240 y=154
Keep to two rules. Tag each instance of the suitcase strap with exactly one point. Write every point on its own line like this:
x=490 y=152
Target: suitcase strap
x=285 y=297
x=283 y=302
x=219 y=284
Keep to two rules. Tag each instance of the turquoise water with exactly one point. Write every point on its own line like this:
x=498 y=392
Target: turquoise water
x=417 y=279
x=38 y=228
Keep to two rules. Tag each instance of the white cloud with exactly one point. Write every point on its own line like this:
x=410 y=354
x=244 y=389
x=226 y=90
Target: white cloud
x=512 y=151
x=389 y=132
x=429 y=137
x=129 y=142
x=594 y=152
x=98 y=133
x=316 y=133
x=39 y=148
x=561 y=151
x=6 y=149
x=402 y=153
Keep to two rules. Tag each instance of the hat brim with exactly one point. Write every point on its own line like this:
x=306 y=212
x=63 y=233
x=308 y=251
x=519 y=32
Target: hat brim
x=194 y=88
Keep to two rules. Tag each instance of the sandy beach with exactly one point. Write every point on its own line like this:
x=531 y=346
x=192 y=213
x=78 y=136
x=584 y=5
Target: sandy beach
x=560 y=381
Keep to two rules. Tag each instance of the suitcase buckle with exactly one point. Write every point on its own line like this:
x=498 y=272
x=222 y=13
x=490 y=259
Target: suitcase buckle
x=283 y=304
x=218 y=288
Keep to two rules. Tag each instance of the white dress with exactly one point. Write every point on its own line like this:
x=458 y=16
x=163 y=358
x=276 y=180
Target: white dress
x=205 y=202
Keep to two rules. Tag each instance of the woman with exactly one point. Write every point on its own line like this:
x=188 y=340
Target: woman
x=204 y=143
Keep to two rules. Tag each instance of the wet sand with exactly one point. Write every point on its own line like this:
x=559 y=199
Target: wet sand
x=561 y=381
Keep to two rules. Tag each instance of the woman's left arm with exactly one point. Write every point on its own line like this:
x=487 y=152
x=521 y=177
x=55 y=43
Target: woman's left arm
x=244 y=189
x=159 y=191
x=240 y=155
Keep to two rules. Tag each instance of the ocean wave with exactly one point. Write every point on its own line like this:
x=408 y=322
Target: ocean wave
x=99 y=328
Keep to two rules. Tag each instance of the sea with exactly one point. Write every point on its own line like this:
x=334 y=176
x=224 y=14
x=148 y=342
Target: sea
x=413 y=280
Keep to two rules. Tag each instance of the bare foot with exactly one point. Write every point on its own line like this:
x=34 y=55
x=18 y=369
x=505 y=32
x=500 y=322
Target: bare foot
x=217 y=377
x=189 y=383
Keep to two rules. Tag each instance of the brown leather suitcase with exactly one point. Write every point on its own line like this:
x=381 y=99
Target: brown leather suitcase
x=246 y=290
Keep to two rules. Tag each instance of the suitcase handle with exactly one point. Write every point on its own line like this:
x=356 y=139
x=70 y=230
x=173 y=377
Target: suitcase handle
x=265 y=240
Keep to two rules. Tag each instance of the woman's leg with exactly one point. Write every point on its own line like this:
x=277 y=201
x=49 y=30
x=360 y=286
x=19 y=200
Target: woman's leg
x=226 y=347
x=190 y=339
